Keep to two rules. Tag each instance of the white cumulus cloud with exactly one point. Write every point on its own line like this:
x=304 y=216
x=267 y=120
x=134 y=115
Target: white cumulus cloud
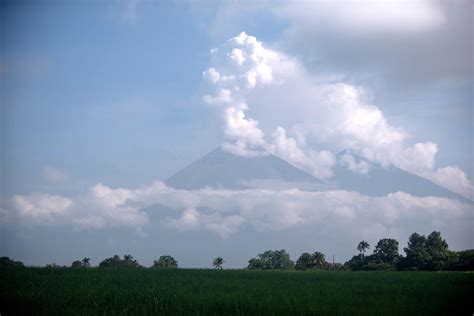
x=271 y=104
x=453 y=178
x=227 y=212
x=191 y=219
x=42 y=207
x=351 y=163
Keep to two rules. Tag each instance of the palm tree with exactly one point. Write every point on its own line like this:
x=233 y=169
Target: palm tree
x=363 y=246
x=218 y=262
x=319 y=259
x=129 y=261
x=86 y=262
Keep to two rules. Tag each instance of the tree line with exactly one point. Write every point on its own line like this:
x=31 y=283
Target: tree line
x=164 y=262
x=423 y=253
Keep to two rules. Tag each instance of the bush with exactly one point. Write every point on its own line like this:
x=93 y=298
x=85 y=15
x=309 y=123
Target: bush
x=272 y=260
x=372 y=266
x=7 y=262
x=463 y=261
x=117 y=262
x=165 y=262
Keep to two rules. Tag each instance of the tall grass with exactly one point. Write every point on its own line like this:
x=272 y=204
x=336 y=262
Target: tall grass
x=61 y=291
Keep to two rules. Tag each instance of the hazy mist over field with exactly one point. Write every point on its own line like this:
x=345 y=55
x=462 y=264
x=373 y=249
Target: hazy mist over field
x=201 y=130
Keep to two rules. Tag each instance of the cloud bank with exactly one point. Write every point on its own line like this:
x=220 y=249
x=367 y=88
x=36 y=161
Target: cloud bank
x=226 y=212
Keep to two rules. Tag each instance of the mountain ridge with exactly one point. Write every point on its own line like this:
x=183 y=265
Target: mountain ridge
x=382 y=180
x=220 y=169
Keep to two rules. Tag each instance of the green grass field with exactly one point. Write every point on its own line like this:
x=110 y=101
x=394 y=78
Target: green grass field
x=61 y=291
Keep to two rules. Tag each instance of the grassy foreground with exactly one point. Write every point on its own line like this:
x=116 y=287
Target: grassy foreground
x=61 y=291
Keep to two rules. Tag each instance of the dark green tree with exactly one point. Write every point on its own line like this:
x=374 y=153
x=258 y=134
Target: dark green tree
x=386 y=251
x=272 y=260
x=218 y=262
x=463 y=261
x=86 y=262
x=305 y=261
x=7 y=262
x=129 y=261
x=360 y=261
x=117 y=262
x=76 y=264
x=441 y=256
x=357 y=263
x=113 y=262
x=417 y=255
x=363 y=246
x=165 y=262
x=52 y=265
x=319 y=260
x=255 y=264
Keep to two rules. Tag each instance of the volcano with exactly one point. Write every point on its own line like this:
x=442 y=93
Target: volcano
x=220 y=169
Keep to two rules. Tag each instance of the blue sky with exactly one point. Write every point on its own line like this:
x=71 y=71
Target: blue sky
x=83 y=89
x=112 y=92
